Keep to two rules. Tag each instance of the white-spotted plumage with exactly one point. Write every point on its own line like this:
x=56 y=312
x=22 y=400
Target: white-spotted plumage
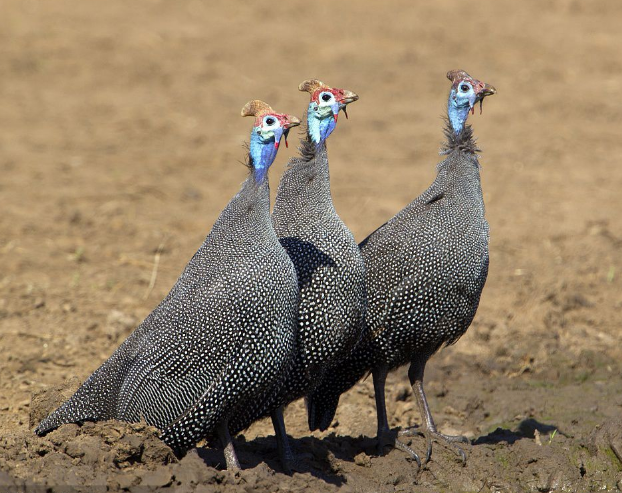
x=223 y=336
x=330 y=273
x=425 y=271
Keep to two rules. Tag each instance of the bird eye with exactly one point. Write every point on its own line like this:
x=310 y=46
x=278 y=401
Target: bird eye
x=464 y=88
x=326 y=97
x=270 y=121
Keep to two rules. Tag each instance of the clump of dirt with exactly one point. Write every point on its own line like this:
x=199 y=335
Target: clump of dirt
x=115 y=456
x=94 y=453
x=604 y=445
x=44 y=401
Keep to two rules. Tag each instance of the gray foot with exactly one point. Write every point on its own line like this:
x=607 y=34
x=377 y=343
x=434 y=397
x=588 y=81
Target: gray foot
x=231 y=458
x=388 y=439
x=449 y=441
x=233 y=464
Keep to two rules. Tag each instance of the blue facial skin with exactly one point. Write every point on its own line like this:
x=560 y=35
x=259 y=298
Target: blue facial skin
x=264 y=146
x=321 y=119
x=461 y=100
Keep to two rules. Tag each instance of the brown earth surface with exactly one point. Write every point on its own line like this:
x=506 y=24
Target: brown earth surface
x=120 y=142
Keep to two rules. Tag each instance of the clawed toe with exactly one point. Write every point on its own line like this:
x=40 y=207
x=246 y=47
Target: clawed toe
x=449 y=440
x=405 y=448
x=390 y=440
x=427 y=429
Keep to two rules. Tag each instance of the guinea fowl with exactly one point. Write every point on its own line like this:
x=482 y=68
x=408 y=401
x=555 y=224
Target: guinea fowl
x=327 y=260
x=425 y=270
x=223 y=335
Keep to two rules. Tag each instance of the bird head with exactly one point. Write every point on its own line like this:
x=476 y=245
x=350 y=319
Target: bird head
x=269 y=125
x=466 y=91
x=324 y=107
x=268 y=130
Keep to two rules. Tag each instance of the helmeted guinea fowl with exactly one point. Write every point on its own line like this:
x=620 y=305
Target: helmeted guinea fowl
x=327 y=260
x=425 y=270
x=223 y=335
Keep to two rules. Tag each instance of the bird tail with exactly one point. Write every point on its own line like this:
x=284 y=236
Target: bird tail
x=96 y=399
x=91 y=402
x=323 y=401
x=321 y=411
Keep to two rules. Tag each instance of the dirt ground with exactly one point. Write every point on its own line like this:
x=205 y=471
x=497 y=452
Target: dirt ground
x=120 y=142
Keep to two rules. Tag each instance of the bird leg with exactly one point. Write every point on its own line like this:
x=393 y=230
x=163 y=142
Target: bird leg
x=288 y=459
x=233 y=464
x=415 y=374
x=385 y=436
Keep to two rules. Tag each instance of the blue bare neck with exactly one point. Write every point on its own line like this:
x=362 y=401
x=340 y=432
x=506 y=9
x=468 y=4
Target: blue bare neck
x=262 y=153
x=319 y=124
x=458 y=112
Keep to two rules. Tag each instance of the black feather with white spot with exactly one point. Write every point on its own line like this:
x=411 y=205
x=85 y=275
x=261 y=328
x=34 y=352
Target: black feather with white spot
x=425 y=271
x=217 y=343
x=330 y=273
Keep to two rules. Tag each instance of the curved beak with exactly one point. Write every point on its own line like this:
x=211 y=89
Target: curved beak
x=348 y=97
x=290 y=122
x=486 y=90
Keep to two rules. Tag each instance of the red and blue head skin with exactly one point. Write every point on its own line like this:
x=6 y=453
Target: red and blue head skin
x=465 y=92
x=269 y=129
x=324 y=107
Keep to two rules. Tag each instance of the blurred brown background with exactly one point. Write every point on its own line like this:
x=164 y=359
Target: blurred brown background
x=120 y=137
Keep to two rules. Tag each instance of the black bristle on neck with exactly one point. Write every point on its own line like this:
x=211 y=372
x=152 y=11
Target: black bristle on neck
x=248 y=160
x=307 y=147
x=464 y=141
